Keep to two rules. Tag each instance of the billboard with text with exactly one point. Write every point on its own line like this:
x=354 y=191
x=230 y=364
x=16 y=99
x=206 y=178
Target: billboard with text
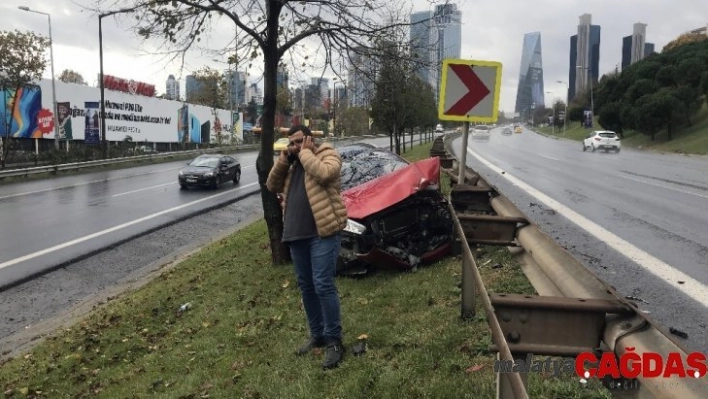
x=142 y=118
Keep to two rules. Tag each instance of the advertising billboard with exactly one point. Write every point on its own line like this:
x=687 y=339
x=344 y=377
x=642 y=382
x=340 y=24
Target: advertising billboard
x=141 y=117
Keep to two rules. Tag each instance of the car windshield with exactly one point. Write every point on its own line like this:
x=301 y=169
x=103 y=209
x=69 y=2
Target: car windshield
x=207 y=162
x=608 y=135
x=361 y=164
x=283 y=141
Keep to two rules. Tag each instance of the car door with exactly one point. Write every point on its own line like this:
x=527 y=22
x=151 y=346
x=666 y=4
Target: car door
x=223 y=168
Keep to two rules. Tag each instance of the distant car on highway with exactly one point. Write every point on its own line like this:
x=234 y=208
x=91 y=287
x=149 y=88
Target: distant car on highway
x=518 y=129
x=481 y=132
x=507 y=131
x=602 y=140
x=210 y=170
x=439 y=129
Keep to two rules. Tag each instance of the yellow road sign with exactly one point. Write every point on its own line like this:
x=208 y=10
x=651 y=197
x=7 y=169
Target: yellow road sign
x=469 y=91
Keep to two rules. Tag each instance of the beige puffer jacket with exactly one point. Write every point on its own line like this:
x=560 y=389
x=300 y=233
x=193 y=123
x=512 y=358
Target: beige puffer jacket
x=322 y=184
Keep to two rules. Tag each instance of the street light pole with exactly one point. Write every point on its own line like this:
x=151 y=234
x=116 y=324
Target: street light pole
x=553 y=121
x=565 y=111
x=54 y=87
x=104 y=147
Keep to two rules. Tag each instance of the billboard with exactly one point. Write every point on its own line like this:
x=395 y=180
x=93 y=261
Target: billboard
x=142 y=118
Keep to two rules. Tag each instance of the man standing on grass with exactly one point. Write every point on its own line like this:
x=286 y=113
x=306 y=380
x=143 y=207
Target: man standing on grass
x=309 y=177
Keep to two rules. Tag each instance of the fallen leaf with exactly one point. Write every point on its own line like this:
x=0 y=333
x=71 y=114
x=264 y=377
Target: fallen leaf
x=363 y=336
x=474 y=368
x=286 y=284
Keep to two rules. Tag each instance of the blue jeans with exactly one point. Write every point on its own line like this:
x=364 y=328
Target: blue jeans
x=315 y=262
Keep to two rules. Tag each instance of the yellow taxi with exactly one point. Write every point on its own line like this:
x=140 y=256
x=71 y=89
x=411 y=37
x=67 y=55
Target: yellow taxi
x=281 y=145
x=518 y=129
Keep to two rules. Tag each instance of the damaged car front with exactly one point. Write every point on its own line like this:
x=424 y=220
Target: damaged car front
x=398 y=218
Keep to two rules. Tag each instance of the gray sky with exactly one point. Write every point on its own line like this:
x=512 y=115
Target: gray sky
x=491 y=30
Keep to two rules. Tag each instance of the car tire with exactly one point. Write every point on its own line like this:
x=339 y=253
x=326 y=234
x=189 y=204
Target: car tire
x=593 y=148
x=617 y=151
x=585 y=148
x=237 y=177
x=182 y=186
x=217 y=182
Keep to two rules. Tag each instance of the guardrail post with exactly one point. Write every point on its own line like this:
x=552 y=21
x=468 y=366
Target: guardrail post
x=504 y=390
x=468 y=289
x=463 y=156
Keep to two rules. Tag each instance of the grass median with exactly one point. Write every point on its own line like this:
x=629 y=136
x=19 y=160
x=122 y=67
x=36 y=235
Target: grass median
x=241 y=319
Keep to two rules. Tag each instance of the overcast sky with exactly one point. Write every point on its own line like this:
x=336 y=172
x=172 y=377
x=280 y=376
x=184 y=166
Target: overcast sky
x=491 y=30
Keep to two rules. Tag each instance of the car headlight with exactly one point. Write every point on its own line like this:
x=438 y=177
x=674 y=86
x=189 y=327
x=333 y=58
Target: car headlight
x=209 y=174
x=354 y=227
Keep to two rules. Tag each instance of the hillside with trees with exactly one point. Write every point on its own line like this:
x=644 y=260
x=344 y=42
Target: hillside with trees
x=662 y=92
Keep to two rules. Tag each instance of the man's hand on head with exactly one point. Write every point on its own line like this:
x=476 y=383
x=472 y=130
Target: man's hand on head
x=308 y=143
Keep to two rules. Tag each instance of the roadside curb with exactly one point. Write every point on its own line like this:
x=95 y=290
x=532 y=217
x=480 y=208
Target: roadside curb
x=128 y=239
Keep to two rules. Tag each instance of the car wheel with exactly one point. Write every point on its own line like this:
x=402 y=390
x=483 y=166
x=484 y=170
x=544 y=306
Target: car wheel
x=182 y=186
x=217 y=182
x=237 y=177
x=593 y=148
x=617 y=151
x=585 y=148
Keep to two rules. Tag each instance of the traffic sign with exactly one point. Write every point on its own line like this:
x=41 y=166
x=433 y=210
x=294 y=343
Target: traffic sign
x=469 y=91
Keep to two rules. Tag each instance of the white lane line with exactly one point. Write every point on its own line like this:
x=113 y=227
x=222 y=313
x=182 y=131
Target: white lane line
x=691 y=287
x=547 y=157
x=114 y=228
x=142 y=189
x=84 y=183
x=101 y=181
x=663 y=186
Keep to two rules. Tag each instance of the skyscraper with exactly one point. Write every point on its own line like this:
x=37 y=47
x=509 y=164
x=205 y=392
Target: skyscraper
x=530 y=92
x=585 y=57
x=361 y=76
x=236 y=82
x=635 y=47
x=192 y=87
x=172 y=88
x=448 y=40
x=420 y=43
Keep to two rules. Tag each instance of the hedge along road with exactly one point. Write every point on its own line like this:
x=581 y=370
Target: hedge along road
x=49 y=223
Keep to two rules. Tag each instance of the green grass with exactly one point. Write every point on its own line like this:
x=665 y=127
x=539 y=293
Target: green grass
x=237 y=338
x=686 y=140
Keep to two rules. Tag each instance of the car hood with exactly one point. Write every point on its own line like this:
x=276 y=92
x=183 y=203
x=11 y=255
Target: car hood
x=194 y=170
x=392 y=188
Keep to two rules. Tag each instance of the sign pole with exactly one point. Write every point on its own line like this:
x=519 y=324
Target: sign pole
x=463 y=155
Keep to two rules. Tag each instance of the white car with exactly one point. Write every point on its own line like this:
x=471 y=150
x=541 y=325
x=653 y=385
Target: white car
x=602 y=140
x=481 y=132
x=439 y=129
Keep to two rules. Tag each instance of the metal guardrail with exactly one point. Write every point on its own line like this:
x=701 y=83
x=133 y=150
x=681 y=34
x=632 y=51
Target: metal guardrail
x=115 y=161
x=575 y=310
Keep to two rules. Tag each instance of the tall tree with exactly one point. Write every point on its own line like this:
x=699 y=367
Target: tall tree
x=71 y=76
x=269 y=29
x=211 y=89
x=22 y=62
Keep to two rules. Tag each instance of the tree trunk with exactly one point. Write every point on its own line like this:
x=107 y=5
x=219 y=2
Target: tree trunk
x=390 y=140
x=668 y=130
x=272 y=211
x=403 y=136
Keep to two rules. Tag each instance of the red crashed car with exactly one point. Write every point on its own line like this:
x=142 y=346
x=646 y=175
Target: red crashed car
x=398 y=218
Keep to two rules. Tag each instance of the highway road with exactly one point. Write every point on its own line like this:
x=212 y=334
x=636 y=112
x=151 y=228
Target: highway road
x=48 y=223
x=638 y=219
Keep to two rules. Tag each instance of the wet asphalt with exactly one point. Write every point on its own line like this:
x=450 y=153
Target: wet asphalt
x=656 y=202
x=97 y=230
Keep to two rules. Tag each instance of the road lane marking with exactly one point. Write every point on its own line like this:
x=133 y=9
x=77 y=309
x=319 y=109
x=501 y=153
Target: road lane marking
x=83 y=184
x=546 y=156
x=691 y=287
x=100 y=181
x=143 y=189
x=662 y=186
x=114 y=228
